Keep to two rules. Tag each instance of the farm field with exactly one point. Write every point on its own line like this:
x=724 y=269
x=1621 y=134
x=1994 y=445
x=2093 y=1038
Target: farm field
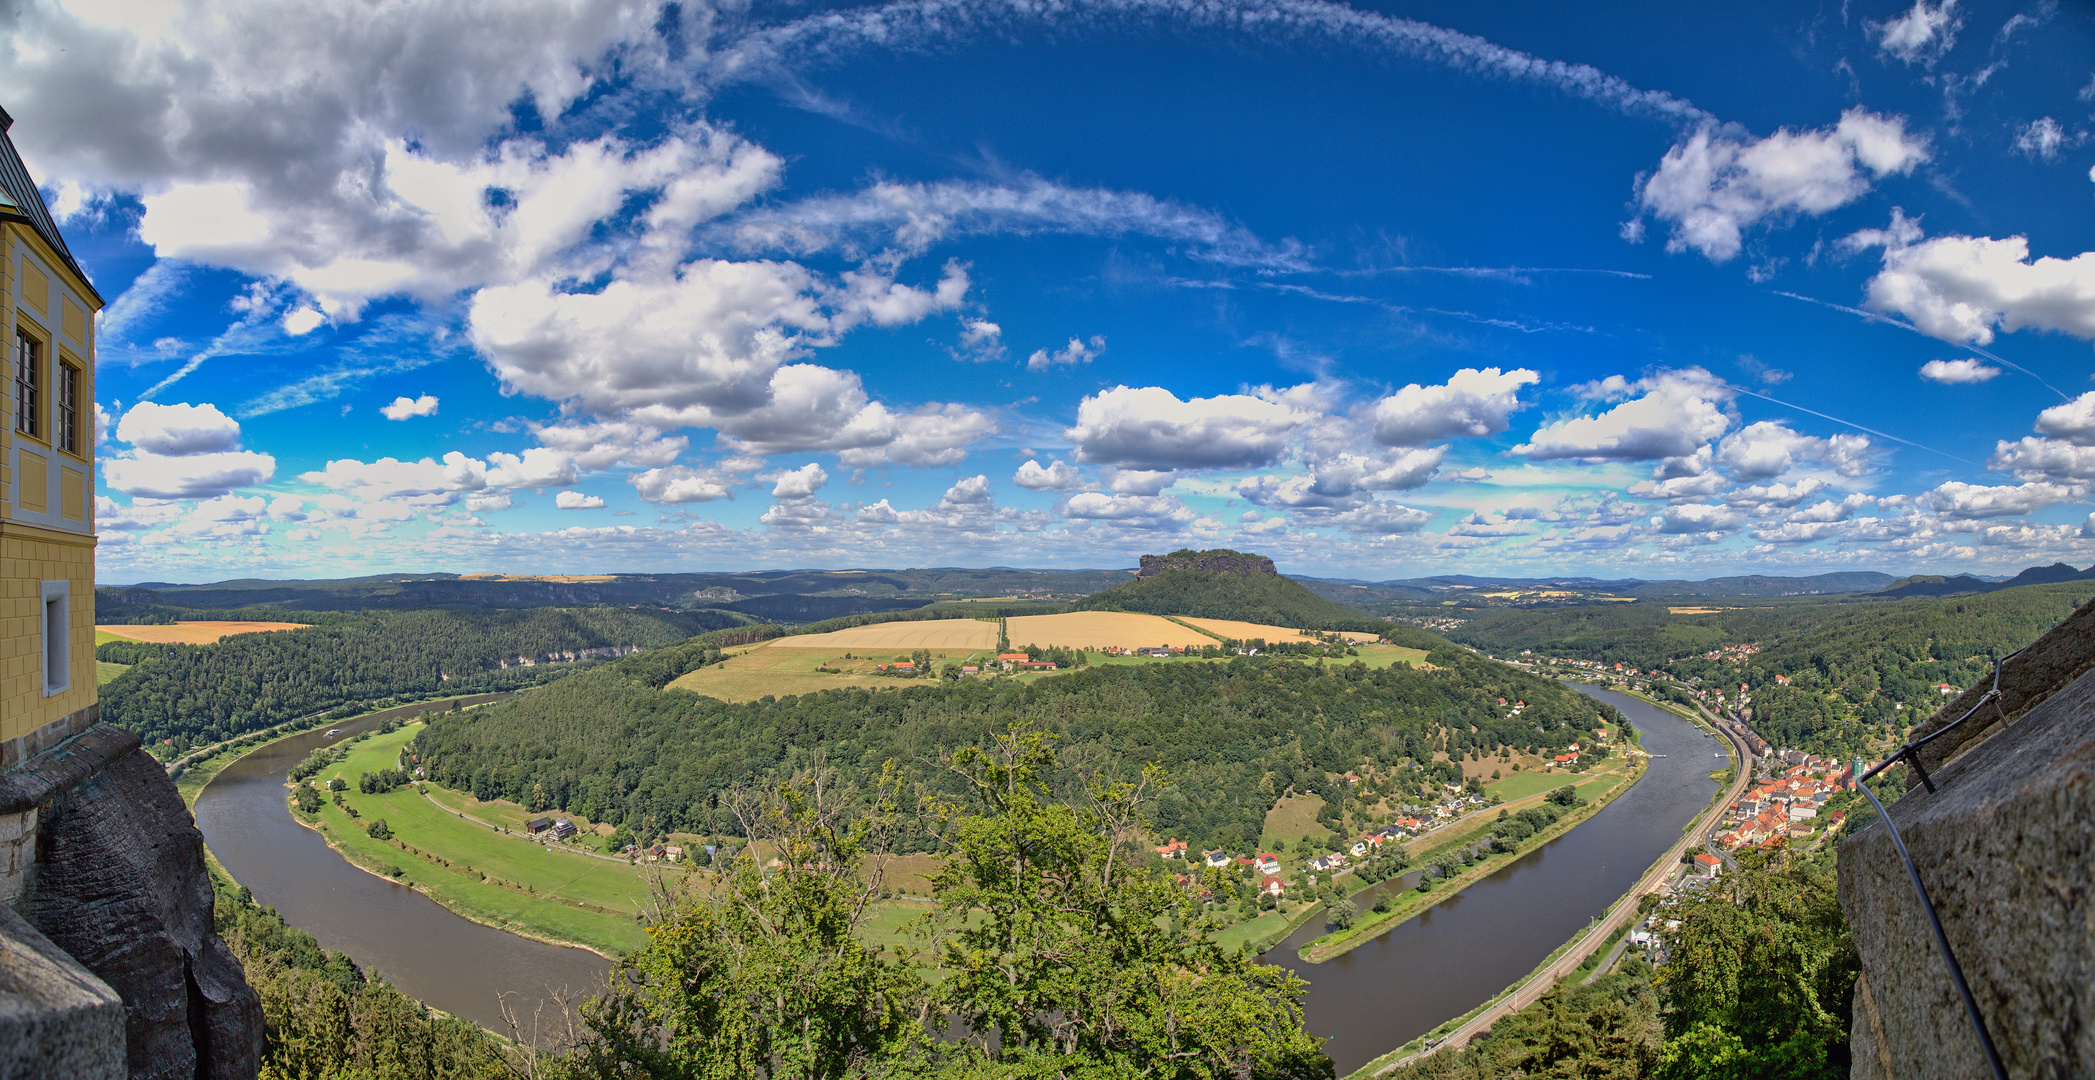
x=1382 y=656
x=902 y=636
x=1101 y=629
x=187 y=633
x=1245 y=631
x=777 y=670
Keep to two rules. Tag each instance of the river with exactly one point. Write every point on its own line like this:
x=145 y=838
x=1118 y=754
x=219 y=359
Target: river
x=1462 y=951
x=448 y=961
x=1428 y=969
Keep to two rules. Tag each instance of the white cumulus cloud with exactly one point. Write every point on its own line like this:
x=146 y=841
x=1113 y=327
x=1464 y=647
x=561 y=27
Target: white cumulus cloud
x=800 y=483
x=1150 y=428
x=575 y=500
x=1958 y=500
x=1078 y=351
x=1956 y=372
x=1057 y=476
x=177 y=430
x=1674 y=414
x=404 y=408
x=1712 y=187
x=1921 y=34
x=1472 y=403
x=1964 y=288
x=2074 y=421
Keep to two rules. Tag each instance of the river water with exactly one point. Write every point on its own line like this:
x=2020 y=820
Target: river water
x=1461 y=952
x=1435 y=966
x=448 y=961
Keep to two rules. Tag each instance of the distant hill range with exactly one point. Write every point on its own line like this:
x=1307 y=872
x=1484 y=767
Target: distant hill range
x=1381 y=597
x=1937 y=585
x=1224 y=584
x=789 y=596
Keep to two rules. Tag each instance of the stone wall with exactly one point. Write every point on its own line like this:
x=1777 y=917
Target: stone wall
x=2006 y=848
x=106 y=893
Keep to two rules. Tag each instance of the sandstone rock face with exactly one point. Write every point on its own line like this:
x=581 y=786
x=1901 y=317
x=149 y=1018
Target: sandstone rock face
x=1213 y=562
x=2006 y=847
x=120 y=885
x=56 y=1018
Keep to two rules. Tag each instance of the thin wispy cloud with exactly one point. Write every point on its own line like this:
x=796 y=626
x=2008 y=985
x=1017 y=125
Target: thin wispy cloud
x=927 y=24
x=1889 y=320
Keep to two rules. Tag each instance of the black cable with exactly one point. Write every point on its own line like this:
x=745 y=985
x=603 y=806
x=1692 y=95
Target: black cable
x=1942 y=941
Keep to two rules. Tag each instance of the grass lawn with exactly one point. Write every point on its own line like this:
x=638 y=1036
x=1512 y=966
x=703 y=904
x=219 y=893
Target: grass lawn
x=1522 y=784
x=1382 y=656
x=1290 y=820
x=546 y=892
x=1262 y=932
x=104 y=637
x=106 y=671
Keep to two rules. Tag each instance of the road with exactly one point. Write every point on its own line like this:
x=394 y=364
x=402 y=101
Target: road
x=1624 y=911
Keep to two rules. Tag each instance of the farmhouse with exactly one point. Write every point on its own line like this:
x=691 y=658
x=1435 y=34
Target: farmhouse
x=539 y=825
x=1176 y=849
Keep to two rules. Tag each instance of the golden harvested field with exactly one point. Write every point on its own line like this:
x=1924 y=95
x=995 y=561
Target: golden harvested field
x=1695 y=610
x=191 y=633
x=924 y=634
x=1245 y=631
x=780 y=670
x=1100 y=629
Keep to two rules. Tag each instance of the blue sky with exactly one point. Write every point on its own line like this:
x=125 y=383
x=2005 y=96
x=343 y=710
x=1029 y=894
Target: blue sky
x=1658 y=290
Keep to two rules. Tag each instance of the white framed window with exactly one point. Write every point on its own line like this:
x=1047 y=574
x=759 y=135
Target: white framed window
x=58 y=636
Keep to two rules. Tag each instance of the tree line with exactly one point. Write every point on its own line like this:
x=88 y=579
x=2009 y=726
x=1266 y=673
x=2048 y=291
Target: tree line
x=1851 y=665
x=198 y=694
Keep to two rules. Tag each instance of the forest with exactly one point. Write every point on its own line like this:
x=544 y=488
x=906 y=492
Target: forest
x=1260 y=598
x=197 y=694
x=1849 y=663
x=608 y=744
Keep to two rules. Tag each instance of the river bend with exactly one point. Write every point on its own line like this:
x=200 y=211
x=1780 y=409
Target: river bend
x=1435 y=966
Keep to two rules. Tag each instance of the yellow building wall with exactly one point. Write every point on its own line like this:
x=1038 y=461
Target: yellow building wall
x=34 y=556
x=31 y=554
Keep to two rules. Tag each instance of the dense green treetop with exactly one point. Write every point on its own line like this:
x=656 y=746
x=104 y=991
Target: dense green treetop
x=609 y=744
x=202 y=693
x=1180 y=588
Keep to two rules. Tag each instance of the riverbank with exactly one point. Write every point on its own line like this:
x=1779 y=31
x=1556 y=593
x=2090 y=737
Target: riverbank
x=494 y=878
x=1600 y=933
x=1411 y=901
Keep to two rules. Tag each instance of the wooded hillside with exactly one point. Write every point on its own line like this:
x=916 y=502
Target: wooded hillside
x=607 y=744
x=202 y=693
x=1256 y=597
x=1847 y=662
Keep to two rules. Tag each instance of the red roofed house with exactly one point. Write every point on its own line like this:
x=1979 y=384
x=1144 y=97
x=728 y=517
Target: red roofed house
x=1709 y=864
x=1272 y=886
x=1176 y=849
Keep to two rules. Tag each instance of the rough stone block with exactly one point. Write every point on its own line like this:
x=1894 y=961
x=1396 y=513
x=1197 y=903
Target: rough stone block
x=121 y=886
x=2006 y=847
x=56 y=1018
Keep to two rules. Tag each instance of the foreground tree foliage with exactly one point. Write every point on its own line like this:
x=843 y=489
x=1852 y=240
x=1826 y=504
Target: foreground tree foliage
x=326 y=1020
x=1756 y=987
x=1053 y=951
x=1760 y=976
